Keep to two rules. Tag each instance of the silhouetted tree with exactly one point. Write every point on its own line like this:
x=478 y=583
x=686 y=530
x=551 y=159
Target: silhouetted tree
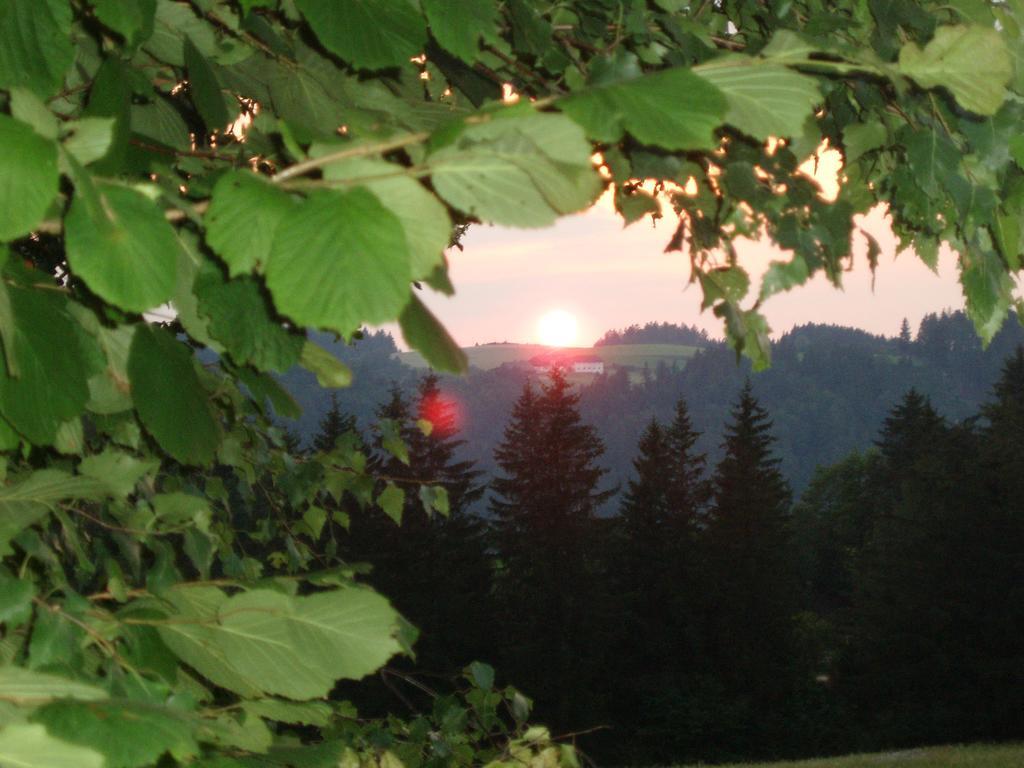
x=549 y=584
x=750 y=580
x=332 y=426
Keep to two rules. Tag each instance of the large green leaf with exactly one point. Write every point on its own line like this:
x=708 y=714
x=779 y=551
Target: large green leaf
x=271 y=642
x=459 y=25
x=28 y=177
x=128 y=734
x=257 y=633
x=30 y=746
x=972 y=62
x=520 y=170
x=674 y=109
x=428 y=229
x=350 y=632
x=424 y=333
x=121 y=245
x=35 y=44
x=338 y=261
x=192 y=637
x=369 y=34
x=50 y=387
x=764 y=99
x=169 y=399
x=240 y=222
x=27 y=687
x=240 y=319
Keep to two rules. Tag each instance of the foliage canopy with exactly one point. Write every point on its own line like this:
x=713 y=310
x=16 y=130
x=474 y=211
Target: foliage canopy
x=266 y=167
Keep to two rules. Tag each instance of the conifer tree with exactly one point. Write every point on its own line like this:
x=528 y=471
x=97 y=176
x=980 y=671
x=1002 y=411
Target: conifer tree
x=548 y=588
x=333 y=425
x=653 y=574
x=749 y=576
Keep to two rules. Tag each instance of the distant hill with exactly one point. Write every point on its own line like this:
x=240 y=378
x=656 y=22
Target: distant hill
x=828 y=389
x=486 y=357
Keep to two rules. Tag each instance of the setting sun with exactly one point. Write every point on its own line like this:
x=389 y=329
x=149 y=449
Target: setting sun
x=557 y=328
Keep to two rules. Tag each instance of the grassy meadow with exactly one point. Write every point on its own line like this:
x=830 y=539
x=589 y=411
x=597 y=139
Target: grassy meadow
x=1002 y=756
x=490 y=356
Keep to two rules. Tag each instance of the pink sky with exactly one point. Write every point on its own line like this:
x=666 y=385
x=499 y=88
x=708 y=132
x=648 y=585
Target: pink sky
x=609 y=276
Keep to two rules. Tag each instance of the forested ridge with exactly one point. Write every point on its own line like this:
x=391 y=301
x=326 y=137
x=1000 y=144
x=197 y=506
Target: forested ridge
x=713 y=614
x=829 y=389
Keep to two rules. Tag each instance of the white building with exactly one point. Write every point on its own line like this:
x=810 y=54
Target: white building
x=588 y=366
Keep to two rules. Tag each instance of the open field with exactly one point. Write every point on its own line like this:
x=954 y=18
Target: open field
x=1004 y=756
x=489 y=356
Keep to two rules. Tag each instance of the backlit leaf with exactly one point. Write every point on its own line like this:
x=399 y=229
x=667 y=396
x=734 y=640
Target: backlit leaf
x=422 y=331
x=240 y=222
x=30 y=746
x=674 y=109
x=322 y=244
x=763 y=99
x=972 y=62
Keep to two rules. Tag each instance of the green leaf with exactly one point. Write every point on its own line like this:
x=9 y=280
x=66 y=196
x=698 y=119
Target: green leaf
x=169 y=399
x=206 y=90
x=434 y=498
x=369 y=34
x=132 y=19
x=522 y=169
x=330 y=372
x=860 y=138
x=987 y=289
x=30 y=746
x=117 y=470
x=338 y=261
x=192 y=637
x=128 y=735
x=15 y=605
x=391 y=439
x=121 y=245
x=26 y=502
x=90 y=138
x=971 y=62
x=27 y=687
x=764 y=99
x=28 y=177
x=728 y=283
x=240 y=222
x=932 y=158
x=30 y=109
x=290 y=646
x=674 y=109
x=392 y=501
x=481 y=674
x=35 y=45
x=422 y=331
x=459 y=25
x=240 y=319
x=784 y=275
x=315 y=713
x=428 y=229
x=50 y=387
